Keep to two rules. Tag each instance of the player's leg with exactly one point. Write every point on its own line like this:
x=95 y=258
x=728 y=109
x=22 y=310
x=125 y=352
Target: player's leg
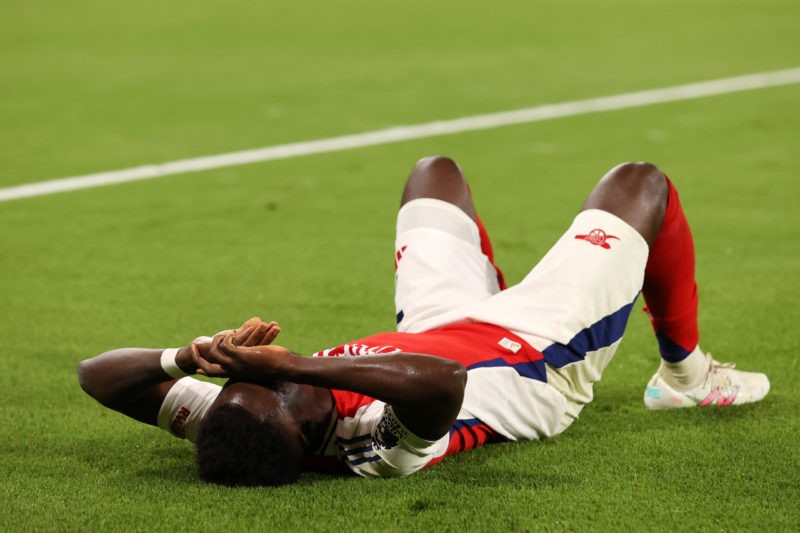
x=687 y=376
x=574 y=304
x=441 y=177
x=442 y=254
x=669 y=284
x=643 y=196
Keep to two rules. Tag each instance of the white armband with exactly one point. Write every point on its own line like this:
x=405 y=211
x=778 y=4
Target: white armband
x=169 y=365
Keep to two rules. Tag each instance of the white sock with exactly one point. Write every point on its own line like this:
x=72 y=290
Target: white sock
x=687 y=373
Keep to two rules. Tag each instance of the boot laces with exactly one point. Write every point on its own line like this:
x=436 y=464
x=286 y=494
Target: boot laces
x=717 y=377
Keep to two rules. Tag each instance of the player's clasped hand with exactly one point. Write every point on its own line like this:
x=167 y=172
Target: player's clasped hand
x=242 y=353
x=255 y=332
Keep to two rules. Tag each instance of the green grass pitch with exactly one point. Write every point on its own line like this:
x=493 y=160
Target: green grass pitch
x=89 y=86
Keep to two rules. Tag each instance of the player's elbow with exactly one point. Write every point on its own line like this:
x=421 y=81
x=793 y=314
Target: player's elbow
x=450 y=383
x=85 y=376
x=459 y=378
x=90 y=380
x=446 y=396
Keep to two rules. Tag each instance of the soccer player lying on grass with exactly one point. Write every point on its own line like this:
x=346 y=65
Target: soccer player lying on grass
x=472 y=361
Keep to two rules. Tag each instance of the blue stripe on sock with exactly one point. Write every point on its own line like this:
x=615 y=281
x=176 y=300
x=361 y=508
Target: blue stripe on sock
x=671 y=351
x=400 y=316
x=602 y=333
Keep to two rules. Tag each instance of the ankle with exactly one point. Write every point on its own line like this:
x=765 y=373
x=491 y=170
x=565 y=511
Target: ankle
x=687 y=373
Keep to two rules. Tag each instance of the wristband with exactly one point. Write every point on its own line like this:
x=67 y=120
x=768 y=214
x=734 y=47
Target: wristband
x=169 y=365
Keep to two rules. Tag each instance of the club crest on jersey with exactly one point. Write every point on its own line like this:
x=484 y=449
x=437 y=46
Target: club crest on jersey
x=389 y=431
x=597 y=237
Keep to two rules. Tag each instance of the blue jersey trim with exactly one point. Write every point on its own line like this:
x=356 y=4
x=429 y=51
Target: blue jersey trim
x=365 y=460
x=458 y=425
x=365 y=449
x=602 y=333
x=529 y=369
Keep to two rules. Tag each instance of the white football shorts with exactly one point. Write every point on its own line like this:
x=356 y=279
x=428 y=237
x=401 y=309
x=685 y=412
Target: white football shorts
x=573 y=305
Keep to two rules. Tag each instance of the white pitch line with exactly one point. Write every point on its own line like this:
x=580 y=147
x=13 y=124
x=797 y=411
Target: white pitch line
x=404 y=133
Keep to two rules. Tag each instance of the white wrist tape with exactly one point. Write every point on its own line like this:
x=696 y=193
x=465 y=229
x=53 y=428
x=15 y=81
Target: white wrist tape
x=169 y=365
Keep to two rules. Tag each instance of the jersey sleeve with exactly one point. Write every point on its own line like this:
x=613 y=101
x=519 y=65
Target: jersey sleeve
x=185 y=405
x=374 y=443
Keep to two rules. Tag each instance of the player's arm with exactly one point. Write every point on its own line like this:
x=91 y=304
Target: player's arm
x=425 y=392
x=133 y=381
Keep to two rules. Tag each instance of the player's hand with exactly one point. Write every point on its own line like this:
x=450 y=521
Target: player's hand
x=225 y=358
x=255 y=332
x=254 y=322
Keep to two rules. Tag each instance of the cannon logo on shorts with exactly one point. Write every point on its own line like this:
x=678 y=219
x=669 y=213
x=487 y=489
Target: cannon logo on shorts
x=597 y=237
x=389 y=431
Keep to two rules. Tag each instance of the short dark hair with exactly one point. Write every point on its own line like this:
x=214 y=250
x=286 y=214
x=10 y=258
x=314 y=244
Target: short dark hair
x=234 y=447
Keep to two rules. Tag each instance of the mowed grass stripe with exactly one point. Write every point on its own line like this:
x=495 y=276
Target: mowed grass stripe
x=403 y=133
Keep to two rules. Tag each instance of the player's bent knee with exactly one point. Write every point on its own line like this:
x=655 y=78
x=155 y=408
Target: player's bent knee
x=635 y=171
x=441 y=178
x=635 y=192
x=437 y=168
x=426 y=162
